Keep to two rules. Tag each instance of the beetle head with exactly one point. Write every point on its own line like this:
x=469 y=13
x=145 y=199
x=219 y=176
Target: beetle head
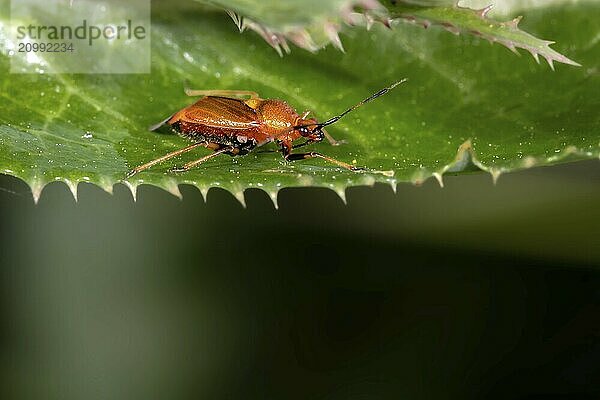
x=311 y=130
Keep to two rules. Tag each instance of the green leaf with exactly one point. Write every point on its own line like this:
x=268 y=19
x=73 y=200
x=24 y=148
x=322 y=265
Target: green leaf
x=464 y=20
x=310 y=24
x=282 y=14
x=464 y=98
x=313 y=25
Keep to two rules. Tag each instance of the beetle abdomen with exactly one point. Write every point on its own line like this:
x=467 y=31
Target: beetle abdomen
x=243 y=140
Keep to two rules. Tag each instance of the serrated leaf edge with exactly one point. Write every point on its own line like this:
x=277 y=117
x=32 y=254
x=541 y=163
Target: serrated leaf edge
x=465 y=156
x=543 y=49
x=373 y=11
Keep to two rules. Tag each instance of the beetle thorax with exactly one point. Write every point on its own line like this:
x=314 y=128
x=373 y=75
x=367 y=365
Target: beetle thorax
x=276 y=115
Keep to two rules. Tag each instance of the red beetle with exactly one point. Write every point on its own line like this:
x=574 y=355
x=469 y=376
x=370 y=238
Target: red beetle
x=226 y=123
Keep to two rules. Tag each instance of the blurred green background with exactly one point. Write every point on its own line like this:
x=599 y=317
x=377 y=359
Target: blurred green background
x=472 y=291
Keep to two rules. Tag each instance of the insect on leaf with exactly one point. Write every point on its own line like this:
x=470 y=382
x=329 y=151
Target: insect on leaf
x=464 y=100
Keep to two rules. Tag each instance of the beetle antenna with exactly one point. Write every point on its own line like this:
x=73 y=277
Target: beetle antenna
x=335 y=119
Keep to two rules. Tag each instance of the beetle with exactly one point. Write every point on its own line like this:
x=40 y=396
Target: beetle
x=225 y=122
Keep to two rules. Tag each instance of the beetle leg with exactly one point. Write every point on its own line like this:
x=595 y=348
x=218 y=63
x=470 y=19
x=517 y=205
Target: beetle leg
x=165 y=158
x=217 y=92
x=331 y=140
x=306 y=143
x=314 y=154
x=289 y=156
x=199 y=161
